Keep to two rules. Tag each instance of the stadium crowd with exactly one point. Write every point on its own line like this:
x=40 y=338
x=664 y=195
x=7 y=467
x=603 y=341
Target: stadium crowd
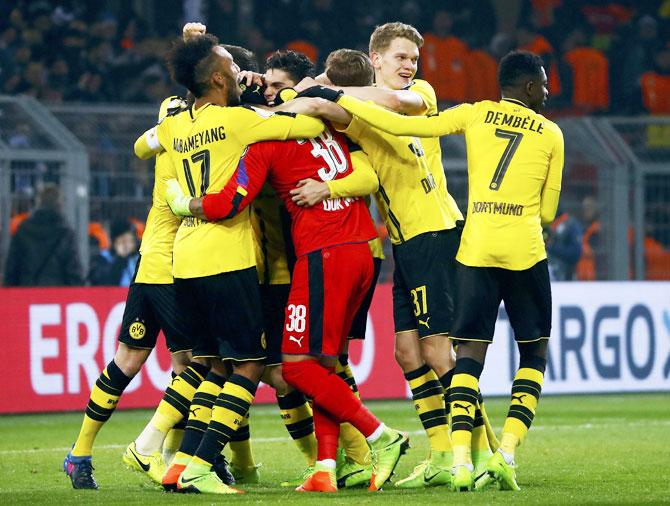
x=613 y=58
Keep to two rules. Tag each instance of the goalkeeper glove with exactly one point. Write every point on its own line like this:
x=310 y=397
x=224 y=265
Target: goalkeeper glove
x=321 y=92
x=176 y=199
x=252 y=95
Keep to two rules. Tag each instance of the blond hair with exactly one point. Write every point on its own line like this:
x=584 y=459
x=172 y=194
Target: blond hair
x=383 y=35
x=349 y=67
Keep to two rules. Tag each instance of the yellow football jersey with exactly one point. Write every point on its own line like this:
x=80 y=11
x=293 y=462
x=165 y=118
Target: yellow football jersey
x=431 y=145
x=206 y=145
x=514 y=156
x=272 y=235
x=377 y=248
x=161 y=227
x=411 y=198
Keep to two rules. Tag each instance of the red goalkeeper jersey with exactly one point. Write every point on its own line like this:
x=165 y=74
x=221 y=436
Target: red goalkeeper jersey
x=284 y=163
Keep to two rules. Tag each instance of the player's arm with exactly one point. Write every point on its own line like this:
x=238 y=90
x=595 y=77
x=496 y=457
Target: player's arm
x=449 y=121
x=318 y=107
x=256 y=126
x=552 y=185
x=402 y=101
x=361 y=182
x=234 y=197
x=148 y=144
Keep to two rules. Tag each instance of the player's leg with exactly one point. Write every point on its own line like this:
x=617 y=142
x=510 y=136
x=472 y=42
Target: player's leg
x=335 y=280
x=233 y=305
x=205 y=351
x=422 y=316
x=180 y=361
x=144 y=454
x=354 y=467
x=200 y=414
x=477 y=301
x=323 y=478
x=296 y=413
x=137 y=338
x=527 y=296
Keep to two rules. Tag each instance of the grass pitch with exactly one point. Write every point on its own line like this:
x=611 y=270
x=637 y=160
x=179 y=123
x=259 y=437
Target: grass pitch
x=610 y=449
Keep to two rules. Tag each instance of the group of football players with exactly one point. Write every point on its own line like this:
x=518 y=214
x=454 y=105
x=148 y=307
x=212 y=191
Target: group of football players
x=260 y=258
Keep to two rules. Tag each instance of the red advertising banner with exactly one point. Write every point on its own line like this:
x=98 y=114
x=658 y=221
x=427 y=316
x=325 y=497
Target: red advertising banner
x=58 y=340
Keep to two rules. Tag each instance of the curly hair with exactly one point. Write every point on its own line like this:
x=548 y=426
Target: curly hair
x=191 y=62
x=295 y=64
x=516 y=66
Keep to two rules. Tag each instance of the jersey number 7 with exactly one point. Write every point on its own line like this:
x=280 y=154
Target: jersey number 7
x=514 y=139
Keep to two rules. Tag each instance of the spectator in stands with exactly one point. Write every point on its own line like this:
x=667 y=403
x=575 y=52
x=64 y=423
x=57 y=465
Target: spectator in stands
x=564 y=246
x=588 y=267
x=43 y=252
x=116 y=265
x=443 y=60
x=633 y=56
x=584 y=74
x=655 y=84
x=530 y=39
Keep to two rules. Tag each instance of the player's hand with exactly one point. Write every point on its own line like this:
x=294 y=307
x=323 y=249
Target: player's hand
x=192 y=30
x=319 y=91
x=309 y=192
x=248 y=77
x=176 y=199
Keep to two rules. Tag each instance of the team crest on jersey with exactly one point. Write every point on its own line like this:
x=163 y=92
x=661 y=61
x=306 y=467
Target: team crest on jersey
x=137 y=330
x=264 y=341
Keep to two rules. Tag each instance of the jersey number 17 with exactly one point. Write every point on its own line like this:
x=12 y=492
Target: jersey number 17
x=203 y=158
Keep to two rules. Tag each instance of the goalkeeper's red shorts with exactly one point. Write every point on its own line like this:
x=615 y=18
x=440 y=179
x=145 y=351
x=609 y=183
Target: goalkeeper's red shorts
x=327 y=289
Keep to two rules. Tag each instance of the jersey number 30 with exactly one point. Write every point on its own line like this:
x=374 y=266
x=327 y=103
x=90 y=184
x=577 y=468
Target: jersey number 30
x=514 y=138
x=329 y=150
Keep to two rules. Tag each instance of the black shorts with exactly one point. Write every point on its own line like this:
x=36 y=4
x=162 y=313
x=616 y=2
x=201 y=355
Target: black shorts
x=360 y=323
x=151 y=308
x=526 y=294
x=225 y=314
x=274 y=298
x=424 y=282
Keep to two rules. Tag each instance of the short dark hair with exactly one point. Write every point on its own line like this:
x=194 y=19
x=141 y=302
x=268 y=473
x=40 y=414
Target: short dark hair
x=349 y=67
x=244 y=58
x=49 y=197
x=518 y=65
x=190 y=62
x=295 y=64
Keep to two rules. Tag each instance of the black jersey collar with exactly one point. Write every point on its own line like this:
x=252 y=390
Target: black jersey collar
x=515 y=101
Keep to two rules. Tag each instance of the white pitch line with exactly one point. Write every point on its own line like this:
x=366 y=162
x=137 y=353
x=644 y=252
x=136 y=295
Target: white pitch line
x=584 y=426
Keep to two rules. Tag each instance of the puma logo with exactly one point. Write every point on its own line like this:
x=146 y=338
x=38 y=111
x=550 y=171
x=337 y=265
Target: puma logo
x=193 y=410
x=519 y=397
x=421 y=322
x=298 y=341
x=462 y=406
